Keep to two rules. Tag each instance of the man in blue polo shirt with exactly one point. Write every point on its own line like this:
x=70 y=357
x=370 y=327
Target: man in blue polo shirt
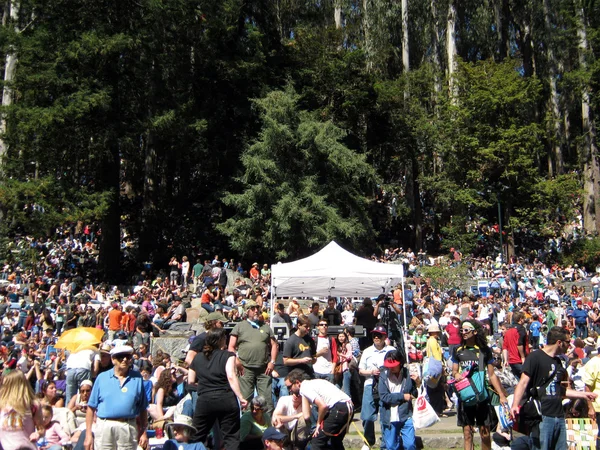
x=119 y=400
x=580 y=321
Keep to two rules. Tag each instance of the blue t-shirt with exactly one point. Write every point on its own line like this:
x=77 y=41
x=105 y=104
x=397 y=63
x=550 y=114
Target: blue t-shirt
x=580 y=316
x=534 y=328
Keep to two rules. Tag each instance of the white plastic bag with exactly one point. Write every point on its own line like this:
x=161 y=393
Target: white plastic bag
x=423 y=414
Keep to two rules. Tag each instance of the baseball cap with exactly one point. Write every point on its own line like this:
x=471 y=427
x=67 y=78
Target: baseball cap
x=216 y=316
x=379 y=329
x=122 y=349
x=273 y=434
x=250 y=303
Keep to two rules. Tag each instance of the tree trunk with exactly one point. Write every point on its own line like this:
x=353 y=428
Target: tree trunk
x=451 y=48
x=522 y=20
x=589 y=147
x=366 y=23
x=405 y=47
x=337 y=14
x=417 y=208
x=437 y=83
x=501 y=14
x=109 y=262
x=10 y=67
x=553 y=101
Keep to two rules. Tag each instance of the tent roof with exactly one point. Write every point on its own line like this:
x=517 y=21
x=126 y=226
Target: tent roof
x=334 y=271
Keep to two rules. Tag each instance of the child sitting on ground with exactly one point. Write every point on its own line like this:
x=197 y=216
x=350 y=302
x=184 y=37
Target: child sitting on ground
x=53 y=435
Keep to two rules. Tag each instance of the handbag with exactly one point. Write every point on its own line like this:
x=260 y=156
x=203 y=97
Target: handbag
x=432 y=372
x=423 y=414
x=494 y=396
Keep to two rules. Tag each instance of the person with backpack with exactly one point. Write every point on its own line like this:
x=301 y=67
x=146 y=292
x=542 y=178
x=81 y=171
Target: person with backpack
x=470 y=362
x=542 y=385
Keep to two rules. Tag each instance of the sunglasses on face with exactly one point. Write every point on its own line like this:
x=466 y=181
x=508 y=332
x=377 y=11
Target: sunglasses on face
x=466 y=330
x=377 y=336
x=123 y=356
x=323 y=325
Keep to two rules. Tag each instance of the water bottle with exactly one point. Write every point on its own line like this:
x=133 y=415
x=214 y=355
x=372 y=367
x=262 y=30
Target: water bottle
x=42 y=442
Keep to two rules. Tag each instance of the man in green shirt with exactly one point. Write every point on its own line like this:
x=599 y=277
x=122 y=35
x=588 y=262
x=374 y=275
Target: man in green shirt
x=550 y=317
x=256 y=348
x=196 y=272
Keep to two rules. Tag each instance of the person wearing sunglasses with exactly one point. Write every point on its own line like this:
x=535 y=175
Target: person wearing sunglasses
x=370 y=363
x=465 y=362
x=118 y=398
x=78 y=403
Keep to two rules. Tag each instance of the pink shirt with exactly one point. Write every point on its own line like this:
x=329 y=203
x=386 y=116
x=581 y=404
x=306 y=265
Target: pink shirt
x=55 y=435
x=15 y=430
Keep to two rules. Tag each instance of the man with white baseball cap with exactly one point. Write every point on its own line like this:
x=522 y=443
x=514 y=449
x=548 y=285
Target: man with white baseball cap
x=119 y=400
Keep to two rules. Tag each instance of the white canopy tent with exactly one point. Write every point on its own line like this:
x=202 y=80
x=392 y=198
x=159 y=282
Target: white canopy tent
x=336 y=272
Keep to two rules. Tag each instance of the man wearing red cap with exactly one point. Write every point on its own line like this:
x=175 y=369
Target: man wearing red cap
x=370 y=363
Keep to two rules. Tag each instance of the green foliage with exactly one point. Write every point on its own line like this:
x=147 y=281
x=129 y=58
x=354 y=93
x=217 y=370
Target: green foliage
x=301 y=186
x=585 y=252
x=152 y=101
x=36 y=207
x=445 y=277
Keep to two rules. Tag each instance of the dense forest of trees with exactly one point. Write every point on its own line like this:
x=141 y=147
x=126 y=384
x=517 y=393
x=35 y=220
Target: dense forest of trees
x=269 y=127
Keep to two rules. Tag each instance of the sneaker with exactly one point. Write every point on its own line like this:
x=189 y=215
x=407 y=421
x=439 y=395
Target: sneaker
x=365 y=447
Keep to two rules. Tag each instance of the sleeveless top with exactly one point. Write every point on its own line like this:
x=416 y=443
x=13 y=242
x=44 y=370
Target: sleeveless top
x=211 y=374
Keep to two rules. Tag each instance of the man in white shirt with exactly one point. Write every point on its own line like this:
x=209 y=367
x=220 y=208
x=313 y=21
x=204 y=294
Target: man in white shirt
x=323 y=366
x=288 y=415
x=370 y=362
x=335 y=409
x=79 y=368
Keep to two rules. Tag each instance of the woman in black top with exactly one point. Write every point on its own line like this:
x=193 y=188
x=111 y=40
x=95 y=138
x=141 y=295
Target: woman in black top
x=218 y=387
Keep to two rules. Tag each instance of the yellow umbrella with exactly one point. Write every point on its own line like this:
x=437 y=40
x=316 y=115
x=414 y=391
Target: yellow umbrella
x=77 y=339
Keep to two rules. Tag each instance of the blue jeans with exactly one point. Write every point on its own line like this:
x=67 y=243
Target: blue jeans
x=279 y=389
x=346 y=379
x=74 y=379
x=324 y=376
x=208 y=307
x=368 y=414
x=581 y=330
x=553 y=434
x=399 y=435
x=596 y=291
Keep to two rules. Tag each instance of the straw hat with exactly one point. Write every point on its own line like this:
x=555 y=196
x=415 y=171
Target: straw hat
x=434 y=328
x=182 y=420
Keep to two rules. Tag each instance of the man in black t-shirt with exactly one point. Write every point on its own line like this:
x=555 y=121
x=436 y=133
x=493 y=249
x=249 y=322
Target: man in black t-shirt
x=331 y=314
x=299 y=349
x=544 y=373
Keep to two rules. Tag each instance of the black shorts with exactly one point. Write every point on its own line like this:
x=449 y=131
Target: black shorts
x=479 y=415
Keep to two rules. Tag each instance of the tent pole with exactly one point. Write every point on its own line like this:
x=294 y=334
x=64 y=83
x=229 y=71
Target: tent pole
x=272 y=305
x=404 y=312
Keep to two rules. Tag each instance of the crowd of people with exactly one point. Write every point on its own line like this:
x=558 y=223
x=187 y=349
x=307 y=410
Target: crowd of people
x=241 y=386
